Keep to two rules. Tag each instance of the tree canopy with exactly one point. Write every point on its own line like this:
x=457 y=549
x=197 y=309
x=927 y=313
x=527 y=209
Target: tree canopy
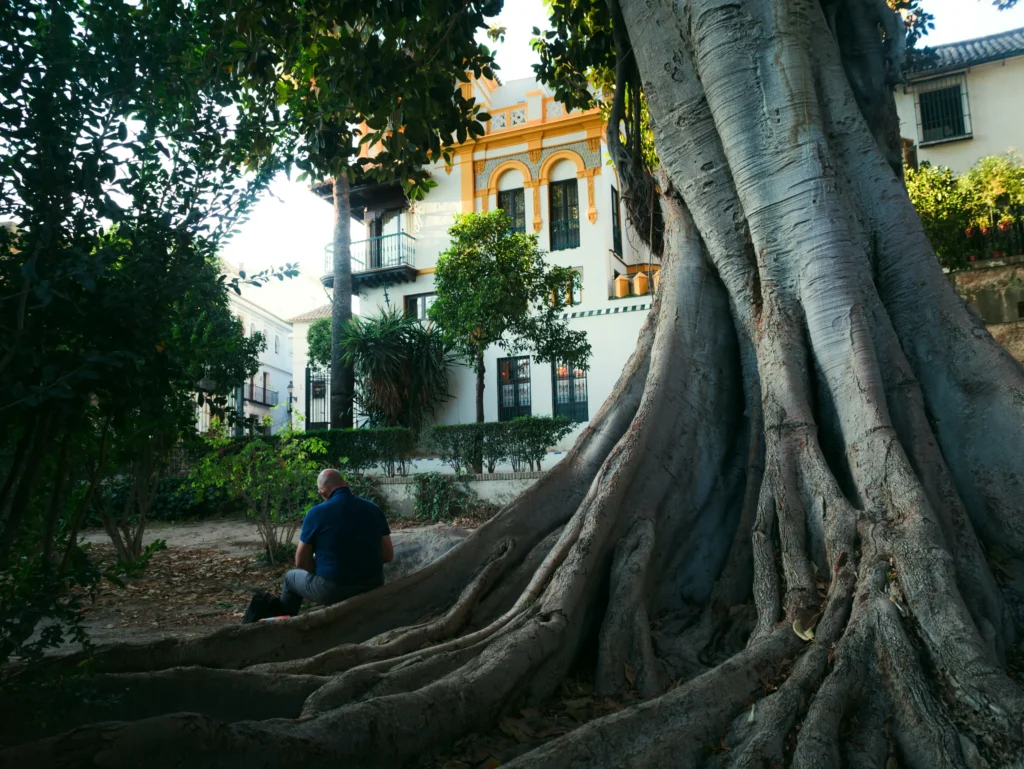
x=494 y=287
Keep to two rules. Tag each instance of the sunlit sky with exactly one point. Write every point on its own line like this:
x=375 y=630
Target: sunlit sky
x=292 y=225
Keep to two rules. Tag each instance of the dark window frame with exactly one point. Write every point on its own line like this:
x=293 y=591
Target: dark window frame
x=616 y=223
x=943 y=110
x=510 y=375
x=569 y=392
x=513 y=203
x=564 y=214
x=419 y=300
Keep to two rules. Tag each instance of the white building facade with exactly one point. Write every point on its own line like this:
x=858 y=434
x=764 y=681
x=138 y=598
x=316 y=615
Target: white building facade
x=266 y=393
x=966 y=104
x=550 y=169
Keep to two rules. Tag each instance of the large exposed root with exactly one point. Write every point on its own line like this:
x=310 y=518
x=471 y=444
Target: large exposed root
x=785 y=443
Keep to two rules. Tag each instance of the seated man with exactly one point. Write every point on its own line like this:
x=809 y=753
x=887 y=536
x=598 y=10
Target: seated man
x=344 y=544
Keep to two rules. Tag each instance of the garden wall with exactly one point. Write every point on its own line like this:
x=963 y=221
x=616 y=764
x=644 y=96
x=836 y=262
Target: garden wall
x=496 y=488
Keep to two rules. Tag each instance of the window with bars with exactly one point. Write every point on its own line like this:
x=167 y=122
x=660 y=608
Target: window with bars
x=416 y=306
x=569 y=392
x=943 y=109
x=513 y=203
x=563 y=200
x=616 y=223
x=514 y=388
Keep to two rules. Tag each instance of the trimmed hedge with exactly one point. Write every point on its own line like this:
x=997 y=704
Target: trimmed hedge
x=388 y=448
x=522 y=442
x=175 y=500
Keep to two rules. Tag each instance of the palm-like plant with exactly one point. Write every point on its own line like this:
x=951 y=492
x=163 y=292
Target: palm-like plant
x=401 y=368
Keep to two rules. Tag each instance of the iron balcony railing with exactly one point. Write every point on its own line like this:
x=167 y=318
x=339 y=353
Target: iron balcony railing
x=396 y=250
x=260 y=395
x=565 y=233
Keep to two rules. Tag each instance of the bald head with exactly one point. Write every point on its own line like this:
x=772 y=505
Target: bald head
x=329 y=480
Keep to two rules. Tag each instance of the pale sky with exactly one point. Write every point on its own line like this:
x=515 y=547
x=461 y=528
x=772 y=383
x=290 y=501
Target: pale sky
x=292 y=225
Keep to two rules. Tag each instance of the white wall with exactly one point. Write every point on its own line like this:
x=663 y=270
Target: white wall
x=612 y=334
x=997 y=116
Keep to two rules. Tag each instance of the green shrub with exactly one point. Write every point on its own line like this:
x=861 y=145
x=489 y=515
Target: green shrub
x=444 y=497
x=388 y=448
x=176 y=500
x=459 y=446
x=522 y=442
x=369 y=487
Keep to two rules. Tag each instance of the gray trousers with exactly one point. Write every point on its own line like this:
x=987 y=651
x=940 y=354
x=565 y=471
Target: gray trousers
x=300 y=584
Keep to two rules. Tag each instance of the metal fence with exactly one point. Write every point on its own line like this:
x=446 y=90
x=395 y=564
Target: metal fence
x=396 y=250
x=318 y=399
x=262 y=395
x=1003 y=237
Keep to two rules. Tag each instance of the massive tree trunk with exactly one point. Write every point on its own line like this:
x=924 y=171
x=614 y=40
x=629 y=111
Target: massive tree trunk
x=810 y=473
x=342 y=376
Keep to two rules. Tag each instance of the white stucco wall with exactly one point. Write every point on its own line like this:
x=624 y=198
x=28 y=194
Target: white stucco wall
x=612 y=325
x=997 y=116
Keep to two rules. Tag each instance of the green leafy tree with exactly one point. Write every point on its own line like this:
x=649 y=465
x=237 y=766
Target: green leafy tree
x=124 y=165
x=276 y=481
x=401 y=367
x=494 y=288
x=318 y=340
x=367 y=93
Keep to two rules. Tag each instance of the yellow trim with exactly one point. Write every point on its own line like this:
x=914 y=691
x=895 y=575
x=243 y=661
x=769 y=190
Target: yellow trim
x=492 y=181
x=464 y=156
x=426 y=271
x=554 y=157
x=533 y=135
x=534 y=184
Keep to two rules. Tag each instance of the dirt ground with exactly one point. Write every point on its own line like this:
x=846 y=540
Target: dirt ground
x=208 y=573
x=202 y=581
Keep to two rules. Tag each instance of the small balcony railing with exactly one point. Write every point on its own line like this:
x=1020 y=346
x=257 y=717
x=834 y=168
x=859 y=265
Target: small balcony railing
x=261 y=395
x=380 y=253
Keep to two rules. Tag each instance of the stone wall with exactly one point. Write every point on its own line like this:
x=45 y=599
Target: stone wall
x=496 y=488
x=997 y=293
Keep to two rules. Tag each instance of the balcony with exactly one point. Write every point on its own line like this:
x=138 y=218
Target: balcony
x=380 y=261
x=260 y=395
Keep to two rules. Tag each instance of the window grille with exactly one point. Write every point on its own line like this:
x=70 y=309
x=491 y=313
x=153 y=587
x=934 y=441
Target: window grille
x=514 y=388
x=943 y=109
x=569 y=392
x=563 y=199
x=513 y=203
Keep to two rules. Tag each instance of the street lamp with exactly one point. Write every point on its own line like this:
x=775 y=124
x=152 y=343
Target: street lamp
x=290 y=389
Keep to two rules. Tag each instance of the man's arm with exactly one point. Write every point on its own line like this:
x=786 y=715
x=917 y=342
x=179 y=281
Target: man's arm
x=387 y=550
x=304 y=557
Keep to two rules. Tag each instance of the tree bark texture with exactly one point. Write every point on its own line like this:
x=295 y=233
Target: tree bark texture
x=342 y=376
x=481 y=372
x=809 y=472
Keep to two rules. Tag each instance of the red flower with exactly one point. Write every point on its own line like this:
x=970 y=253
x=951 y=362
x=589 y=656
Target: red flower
x=1004 y=225
x=985 y=230
x=969 y=231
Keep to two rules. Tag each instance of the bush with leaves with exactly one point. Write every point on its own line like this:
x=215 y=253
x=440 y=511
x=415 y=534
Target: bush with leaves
x=960 y=213
x=522 y=442
x=276 y=480
x=444 y=497
x=388 y=448
x=401 y=365
x=369 y=487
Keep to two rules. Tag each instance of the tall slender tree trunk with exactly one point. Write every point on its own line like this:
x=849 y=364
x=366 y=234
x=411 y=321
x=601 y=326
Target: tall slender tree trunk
x=480 y=383
x=342 y=377
x=794 y=528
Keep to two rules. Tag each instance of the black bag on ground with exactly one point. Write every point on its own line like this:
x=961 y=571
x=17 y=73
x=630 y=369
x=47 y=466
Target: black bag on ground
x=262 y=606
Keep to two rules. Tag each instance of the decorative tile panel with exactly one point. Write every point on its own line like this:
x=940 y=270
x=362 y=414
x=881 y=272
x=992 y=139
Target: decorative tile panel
x=591 y=159
x=519 y=116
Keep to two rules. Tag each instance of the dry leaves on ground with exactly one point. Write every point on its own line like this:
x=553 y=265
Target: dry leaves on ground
x=182 y=587
x=527 y=729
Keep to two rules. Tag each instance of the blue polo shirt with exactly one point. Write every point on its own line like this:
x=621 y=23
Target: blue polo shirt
x=345 y=532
